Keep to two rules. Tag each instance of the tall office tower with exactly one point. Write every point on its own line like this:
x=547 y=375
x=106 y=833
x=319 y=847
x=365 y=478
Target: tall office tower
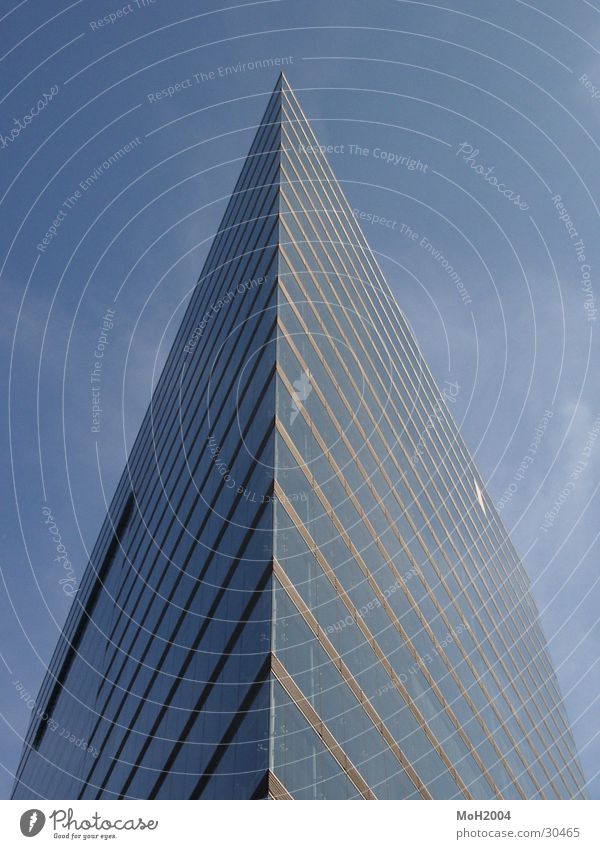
x=302 y=589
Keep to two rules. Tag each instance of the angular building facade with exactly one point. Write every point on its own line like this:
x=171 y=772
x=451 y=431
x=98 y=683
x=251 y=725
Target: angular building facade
x=302 y=589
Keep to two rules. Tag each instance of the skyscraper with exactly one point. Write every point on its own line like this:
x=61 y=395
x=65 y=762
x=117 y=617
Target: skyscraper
x=301 y=589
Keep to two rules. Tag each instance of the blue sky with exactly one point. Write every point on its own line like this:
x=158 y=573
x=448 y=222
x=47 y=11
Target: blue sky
x=486 y=96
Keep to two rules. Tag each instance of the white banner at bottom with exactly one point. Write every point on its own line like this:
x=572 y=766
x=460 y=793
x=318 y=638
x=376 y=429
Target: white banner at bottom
x=249 y=824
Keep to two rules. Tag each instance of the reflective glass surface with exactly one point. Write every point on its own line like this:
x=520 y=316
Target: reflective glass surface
x=301 y=588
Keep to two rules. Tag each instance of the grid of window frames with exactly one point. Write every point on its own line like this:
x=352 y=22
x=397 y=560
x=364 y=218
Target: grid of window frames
x=297 y=592
x=401 y=611
x=166 y=678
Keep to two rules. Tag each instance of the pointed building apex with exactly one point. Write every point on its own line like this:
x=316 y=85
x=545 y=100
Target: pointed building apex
x=282 y=83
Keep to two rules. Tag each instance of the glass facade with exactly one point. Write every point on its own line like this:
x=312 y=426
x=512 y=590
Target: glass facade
x=301 y=589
